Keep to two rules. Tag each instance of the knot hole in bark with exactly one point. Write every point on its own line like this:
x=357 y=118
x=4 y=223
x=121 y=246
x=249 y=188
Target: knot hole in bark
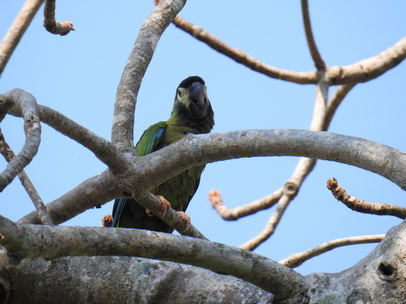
x=387 y=271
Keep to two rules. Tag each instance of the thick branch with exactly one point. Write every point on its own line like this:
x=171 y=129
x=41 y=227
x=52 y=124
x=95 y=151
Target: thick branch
x=134 y=70
x=51 y=241
x=194 y=150
x=17 y=30
x=362 y=206
x=50 y=23
x=314 y=51
x=26 y=104
x=297 y=259
x=8 y=154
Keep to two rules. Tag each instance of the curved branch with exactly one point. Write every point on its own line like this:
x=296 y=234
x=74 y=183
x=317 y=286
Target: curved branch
x=103 y=149
x=314 y=51
x=242 y=57
x=8 y=154
x=361 y=71
x=126 y=97
x=17 y=30
x=236 y=213
x=368 y=69
x=50 y=242
x=50 y=23
x=297 y=259
x=194 y=150
x=26 y=104
x=363 y=206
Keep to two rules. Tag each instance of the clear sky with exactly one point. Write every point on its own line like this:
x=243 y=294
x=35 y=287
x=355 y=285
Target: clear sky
x=78 y=75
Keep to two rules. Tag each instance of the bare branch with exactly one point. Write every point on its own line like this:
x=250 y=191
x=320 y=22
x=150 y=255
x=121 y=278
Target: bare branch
x=50 y=242
x=17 y=30
x=8 y=154
x=270 y=227
x=318 y=60
x=242 y=57
x=103 y=149
x=361 y=71
x=94 y=191
x=245 y=210
x=368 y=69
x=363 y=206
x=134 y=70
x=171 y=217
x=26 y=104
x=297 y=259
x=195 y=150
x=50 y=23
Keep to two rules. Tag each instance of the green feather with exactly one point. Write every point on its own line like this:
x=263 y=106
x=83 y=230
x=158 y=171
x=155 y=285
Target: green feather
x=192 y=113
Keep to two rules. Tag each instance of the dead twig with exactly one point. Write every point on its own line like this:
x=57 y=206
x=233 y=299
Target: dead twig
x=297 y=259
x=63 y=28
x=363 y=206
x=314 y=51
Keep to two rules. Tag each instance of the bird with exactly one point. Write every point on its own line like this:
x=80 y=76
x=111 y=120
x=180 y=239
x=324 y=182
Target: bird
x=192 y=113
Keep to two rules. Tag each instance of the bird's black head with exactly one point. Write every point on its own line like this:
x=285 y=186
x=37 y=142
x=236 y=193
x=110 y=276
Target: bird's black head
x=192 y=103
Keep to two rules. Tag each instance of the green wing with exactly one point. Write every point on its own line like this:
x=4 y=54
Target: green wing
x=148 y=143
x=150 y=139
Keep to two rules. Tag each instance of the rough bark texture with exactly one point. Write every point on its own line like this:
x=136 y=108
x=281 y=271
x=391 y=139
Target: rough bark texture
x=123 y=280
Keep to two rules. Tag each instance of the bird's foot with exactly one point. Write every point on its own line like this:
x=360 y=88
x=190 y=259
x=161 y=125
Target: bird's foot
x=165 y=205
x=185 y=218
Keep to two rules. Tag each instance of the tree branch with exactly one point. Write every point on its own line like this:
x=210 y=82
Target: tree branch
x=17 y=30
x=242 y=57
x=297 y=259
x=170 y=216
x=8 y=154
x=363 y=206
x=134 y=70
x=194 y=150
x=318 y=60
x=361 y=71
x=103 y=149
x=50 y=23
x=234 y=214
x=370 y=68
x=26 y=104
x=51 y=242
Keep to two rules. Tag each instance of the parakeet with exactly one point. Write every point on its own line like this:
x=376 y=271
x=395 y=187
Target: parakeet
x=191 y=114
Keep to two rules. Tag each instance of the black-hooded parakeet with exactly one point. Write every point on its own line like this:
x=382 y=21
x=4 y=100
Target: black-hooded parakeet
x=191 y=114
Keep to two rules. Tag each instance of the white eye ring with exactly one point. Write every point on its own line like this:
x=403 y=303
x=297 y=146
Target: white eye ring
x=179 y=92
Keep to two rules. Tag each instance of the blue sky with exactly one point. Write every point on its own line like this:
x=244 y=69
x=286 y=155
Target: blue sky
x=78 y=75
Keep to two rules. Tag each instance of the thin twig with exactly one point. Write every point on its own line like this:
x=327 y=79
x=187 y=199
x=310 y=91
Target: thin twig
x=314 y=51
x=17 y=30
x=8 y=154
x=363 y=206
x=50 y=23
x=297 y=259
x=233 y=214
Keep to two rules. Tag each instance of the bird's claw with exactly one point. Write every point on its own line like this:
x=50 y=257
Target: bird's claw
x=185 y=218
x=165 y=205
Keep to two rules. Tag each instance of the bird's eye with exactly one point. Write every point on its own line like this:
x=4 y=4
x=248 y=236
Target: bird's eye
x=179 y=93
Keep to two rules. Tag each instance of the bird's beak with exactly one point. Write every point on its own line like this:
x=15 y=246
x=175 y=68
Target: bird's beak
x=197 y=94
